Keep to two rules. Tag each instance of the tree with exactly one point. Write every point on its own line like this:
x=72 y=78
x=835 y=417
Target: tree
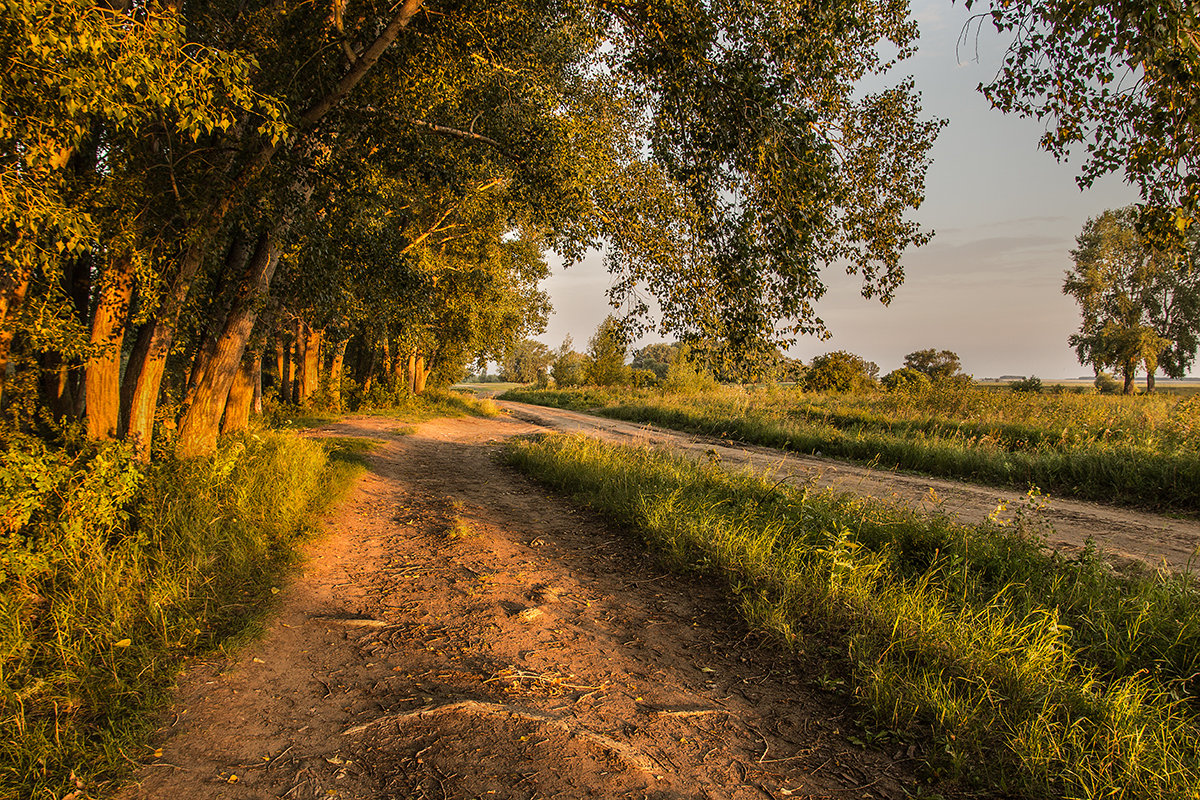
x=180 y=177
x=569 y=368
x=607 y=350
x=1140 y=306
x=1119 y=77
x=655 y=357
x=937 y=365
x=528 y=361
x=839 y=371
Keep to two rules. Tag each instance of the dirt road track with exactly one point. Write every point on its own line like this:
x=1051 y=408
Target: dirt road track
x=459 y=633
x=1123 y=535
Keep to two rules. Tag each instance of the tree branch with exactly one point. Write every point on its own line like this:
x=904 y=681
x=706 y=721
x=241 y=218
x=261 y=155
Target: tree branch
x=467 y=136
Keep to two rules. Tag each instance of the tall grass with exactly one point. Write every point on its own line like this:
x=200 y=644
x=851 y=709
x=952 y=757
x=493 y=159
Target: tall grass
x=114 y=573
x=1033 y=674
x=1142 y=451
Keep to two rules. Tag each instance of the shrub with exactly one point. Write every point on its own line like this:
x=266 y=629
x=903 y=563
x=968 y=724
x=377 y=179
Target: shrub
x=839 y=371
x=1032 y=385
x=1106 y=384
x=906 y=379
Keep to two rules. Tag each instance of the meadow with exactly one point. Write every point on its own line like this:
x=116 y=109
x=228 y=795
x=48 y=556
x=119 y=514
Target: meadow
x=1140 y=451
x=1015 y=670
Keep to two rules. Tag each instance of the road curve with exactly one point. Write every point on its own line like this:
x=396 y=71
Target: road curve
x=1125 y=536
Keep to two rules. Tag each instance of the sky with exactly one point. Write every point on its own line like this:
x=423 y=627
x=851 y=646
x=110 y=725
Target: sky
x=1005 y=217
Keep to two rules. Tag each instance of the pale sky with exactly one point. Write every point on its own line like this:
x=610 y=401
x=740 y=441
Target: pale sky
x=1005 y=215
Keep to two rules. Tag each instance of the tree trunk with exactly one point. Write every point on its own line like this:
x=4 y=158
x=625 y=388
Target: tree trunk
x=421 y=374
x=235 y=264
x=297 y=354
x=410 y=371
x=241 y=394
x=283 y=378
x=256 y=402
x=1150 y=381
x=310 y=360
x=335 y=373
x=12 y=293
x=1128 y=372
x=102 y=374
x=200 y=423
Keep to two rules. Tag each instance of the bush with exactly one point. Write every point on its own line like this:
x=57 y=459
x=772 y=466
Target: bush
x=684 y=376
x=839 y=371
x=114 y=572
x=906 y=379
x=1106 y=384
x=1032 y=385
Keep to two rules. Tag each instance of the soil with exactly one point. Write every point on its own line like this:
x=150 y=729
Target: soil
x=1126 y=537
x=458 y=632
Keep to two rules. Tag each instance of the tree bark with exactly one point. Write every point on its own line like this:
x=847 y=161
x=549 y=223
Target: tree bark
x=241 y=394
x=200 y=423
x=420 y=375
x=335 y=372
x=235 y=264
x=1128 y=373
x=310 y=375
x=102 y=374
x=257 y=400
x=1150 y=381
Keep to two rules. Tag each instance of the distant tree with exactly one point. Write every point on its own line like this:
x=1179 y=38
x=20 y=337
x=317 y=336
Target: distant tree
x=607 y=350
x=526 y=362
x=906 y=379
x=1140 y=306
x=569 y=367
x=937 y=365
x=655 y=357
x=840 y=371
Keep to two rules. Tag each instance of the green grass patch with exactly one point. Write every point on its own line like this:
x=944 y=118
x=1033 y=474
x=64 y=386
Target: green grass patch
x=114 y=573
x=428 y=405
x=1139 y=451
x=1033 y=675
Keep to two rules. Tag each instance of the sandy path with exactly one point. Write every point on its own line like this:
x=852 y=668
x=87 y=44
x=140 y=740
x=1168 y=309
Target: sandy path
x=459 y=633
x=1122 y=534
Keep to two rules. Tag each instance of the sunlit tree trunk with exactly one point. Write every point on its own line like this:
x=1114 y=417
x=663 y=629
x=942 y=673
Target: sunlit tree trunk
x=335 y=372
x=12 y=294
x=199 y=426
x=1128 y=372
x=102 y=379
x=420 y=374
x=241 y=394
x=309 y=342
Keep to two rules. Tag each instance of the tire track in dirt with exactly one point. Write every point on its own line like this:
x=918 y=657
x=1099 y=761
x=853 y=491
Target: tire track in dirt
x=1124 y=536
x=457 y=632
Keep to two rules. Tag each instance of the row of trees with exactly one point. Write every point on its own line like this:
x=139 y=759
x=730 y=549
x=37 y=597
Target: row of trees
x=189 y=191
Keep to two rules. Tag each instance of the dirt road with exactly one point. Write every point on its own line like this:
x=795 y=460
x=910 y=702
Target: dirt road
x=459 y=633
x=1123 y=535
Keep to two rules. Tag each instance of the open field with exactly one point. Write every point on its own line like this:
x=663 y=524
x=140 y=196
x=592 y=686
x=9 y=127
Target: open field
x=1136 y=451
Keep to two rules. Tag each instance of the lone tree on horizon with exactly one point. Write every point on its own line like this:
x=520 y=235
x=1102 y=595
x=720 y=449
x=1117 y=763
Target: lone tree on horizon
x=1140 y=306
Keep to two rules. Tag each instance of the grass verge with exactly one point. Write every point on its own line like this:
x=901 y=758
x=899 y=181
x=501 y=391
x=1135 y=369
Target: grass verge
x=1034 y=675
x=1111 y=451
x=114 y=573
